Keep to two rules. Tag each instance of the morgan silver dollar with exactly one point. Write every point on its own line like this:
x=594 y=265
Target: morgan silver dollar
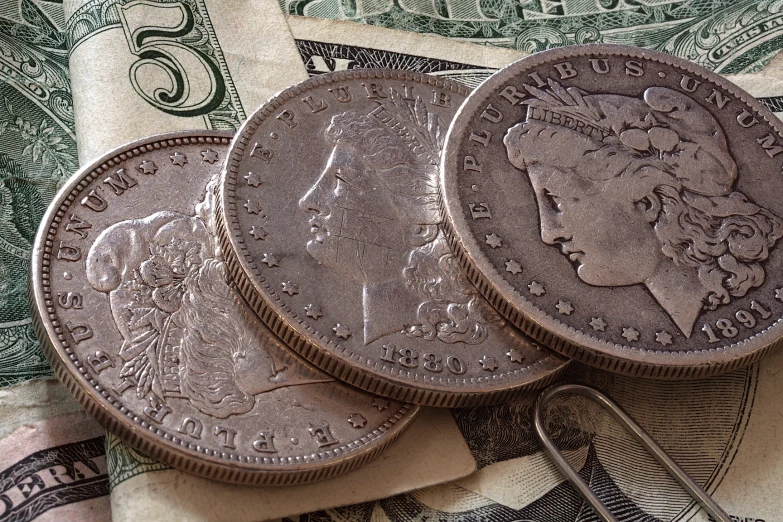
x=330 y=218
x=634 y=199
x=132 y=304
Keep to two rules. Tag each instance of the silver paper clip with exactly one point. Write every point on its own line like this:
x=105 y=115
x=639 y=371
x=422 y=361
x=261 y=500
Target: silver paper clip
x=638 y=433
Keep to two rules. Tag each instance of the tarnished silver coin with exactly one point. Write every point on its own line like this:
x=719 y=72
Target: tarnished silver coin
x=133 y=306
x=623 y=207
x=329 y=215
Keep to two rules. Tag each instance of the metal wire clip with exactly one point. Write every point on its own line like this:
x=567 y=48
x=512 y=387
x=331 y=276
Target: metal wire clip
x=696 y=492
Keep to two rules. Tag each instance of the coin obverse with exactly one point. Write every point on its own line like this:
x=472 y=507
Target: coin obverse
x=636 y=200
x=329 y=214
x=132 y=303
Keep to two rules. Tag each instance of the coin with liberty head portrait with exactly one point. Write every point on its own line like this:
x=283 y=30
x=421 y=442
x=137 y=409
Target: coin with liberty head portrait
x=636 y=189
x=330 y=212
x=138 y=316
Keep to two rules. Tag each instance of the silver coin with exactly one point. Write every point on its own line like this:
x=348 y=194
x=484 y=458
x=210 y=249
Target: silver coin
x=329 y=215
x=638 y=196
x=132 y=303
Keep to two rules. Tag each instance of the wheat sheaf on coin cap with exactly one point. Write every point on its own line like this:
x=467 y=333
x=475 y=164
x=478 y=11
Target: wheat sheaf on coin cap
x=137 y=315
x=637 y=190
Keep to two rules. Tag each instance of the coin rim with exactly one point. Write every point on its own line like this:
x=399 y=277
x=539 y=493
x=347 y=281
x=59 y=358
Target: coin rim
x=92 y=396
x=541 y=326
x=278 y=317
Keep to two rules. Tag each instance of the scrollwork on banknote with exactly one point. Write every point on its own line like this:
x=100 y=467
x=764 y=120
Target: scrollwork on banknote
x=125 y=462
x=43 y=141
x=166 y=282
x=572 y=423
x=320 y=58
x=642 y=191
x=727 y=36
x=38 y=154
x=374 y=218
x=34 y=56
x=180 y=68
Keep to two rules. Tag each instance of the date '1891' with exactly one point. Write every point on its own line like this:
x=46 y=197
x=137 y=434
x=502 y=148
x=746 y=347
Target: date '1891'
x=727 y=328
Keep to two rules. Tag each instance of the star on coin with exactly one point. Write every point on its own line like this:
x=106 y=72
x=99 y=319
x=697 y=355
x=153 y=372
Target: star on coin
x=513 y=266
x=252 y=207
x=564 y=307
x=179 y=159
x=313 y=311
x=341 y=331
x=290 y=288
x=148 y=167
x=536 y=288
x=357 y=420
x=489 y=363
x=209 y=155
x=380 y=404
x=258 y=232
x=631 y=334
x=779 y=293
x=271 y=260
x=253 y=179
x=598 y=324
x=494 y=240
x=515 y=355
x=664 y=338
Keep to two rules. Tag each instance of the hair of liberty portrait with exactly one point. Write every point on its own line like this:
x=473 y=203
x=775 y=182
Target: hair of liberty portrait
x=640 y=190
x=374 y=219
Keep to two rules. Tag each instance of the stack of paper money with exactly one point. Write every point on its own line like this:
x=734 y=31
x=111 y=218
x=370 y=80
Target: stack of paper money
x=70 y=92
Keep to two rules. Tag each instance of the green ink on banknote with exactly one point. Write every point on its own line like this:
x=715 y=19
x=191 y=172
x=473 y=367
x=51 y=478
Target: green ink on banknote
x=727 y=36
x=174 y=40
x=125 y=462
x=38 y=154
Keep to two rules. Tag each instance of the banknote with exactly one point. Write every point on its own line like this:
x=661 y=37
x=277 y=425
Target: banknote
x=726 y=433
x=432 y=448
x=328 y=45
x=727 y=36
x=55 y=469
x=37 y=154
x=142 y=67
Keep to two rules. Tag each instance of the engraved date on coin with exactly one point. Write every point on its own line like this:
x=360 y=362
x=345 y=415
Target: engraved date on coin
x=436 y=363
x=745 y=318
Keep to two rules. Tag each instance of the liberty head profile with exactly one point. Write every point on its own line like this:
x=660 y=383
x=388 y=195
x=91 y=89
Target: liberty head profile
x=186 y=334
x=374 y=219
x=641 y=191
